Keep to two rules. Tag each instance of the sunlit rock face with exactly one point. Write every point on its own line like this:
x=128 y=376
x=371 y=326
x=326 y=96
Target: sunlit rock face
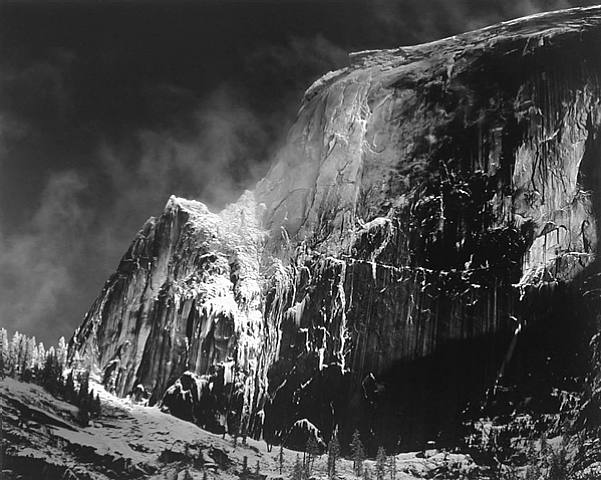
x=186 y=296
x=423 y=200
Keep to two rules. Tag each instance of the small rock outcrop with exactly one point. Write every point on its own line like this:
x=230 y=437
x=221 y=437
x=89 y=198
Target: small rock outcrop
x=430 y=206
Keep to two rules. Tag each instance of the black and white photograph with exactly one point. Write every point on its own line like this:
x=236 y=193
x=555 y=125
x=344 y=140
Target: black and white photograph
x=300 y=239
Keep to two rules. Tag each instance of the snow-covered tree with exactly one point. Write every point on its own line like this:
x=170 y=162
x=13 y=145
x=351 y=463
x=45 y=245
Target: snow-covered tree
x=312 y=450
x=381 y=464
x=1 y=362
x=366 y=474
x=333 y=454
x=61 y=352
x=41 y=357
x=281 y=458
x=392 y=467
x=14 y=354
x=5 y=351
x=29 y=357
x=297 y=470
x=358 y=453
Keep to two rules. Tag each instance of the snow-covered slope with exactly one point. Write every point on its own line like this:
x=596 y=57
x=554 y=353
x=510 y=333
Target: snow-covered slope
x=133 y=441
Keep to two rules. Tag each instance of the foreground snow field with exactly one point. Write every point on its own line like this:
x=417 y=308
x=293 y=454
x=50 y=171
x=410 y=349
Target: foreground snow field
x=42 y=440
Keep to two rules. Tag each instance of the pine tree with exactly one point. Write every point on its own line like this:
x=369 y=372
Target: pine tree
x=83 y=415
x=358 y=453
x=4 y=351
x=90 y=402
x=366 y=474
x=22 y=355
x=61 y=353
x=297 y=470
x=2 y=358
x=41 y=357
x=52 y=373
x=312 y=450
x=281 y=458
x=84 y=387
x=97 y=406
x=14 y=355
x=381 y=464
x=333 y=453
x=28 y=350
x=257 y=469
x=393 y=467
x=245 y=464
x=557 y=464
x=70 y=394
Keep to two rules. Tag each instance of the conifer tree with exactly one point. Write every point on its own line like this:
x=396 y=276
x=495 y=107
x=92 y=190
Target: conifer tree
x=97 y=406
x=297 y=469
x=90 y=402
x=14 y=355
x=4 y=351
x=312 y=450
x=61 y=353
x=28 y=350
x=358 y=453
x=281 y=458
x=393 y=467
x=366 y=474
x=557 y=464
x=381 y=464
x=52 y=374
x=84 y=387
x=70 y=394
x=333 y=454
x=83 y=415
x=41 y=357
x=21 y=353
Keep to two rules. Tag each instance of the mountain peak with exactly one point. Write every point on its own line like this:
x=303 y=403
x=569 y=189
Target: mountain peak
x=424 y=199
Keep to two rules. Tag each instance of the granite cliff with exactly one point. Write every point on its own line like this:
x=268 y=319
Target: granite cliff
x=420 y=241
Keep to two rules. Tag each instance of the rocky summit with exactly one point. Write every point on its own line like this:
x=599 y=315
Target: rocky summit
x=416 y=256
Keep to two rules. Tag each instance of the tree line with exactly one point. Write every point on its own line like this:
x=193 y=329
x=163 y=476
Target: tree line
x=384 y=466
x=24 y=359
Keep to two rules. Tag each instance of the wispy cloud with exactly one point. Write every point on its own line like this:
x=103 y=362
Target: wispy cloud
x=36 y=262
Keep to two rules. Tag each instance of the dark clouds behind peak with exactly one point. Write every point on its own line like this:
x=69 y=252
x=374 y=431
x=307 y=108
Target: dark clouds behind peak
x=107 y=108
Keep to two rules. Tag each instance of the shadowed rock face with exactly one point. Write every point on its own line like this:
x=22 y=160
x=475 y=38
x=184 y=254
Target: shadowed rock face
x=427 y=205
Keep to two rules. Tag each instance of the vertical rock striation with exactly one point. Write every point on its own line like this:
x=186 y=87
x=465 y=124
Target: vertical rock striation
x=424 y=197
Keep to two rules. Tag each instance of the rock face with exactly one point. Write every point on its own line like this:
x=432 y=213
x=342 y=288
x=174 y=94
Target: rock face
x=428 y=206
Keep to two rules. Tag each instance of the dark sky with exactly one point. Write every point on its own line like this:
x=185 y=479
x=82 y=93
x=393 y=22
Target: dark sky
x=107 y=108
